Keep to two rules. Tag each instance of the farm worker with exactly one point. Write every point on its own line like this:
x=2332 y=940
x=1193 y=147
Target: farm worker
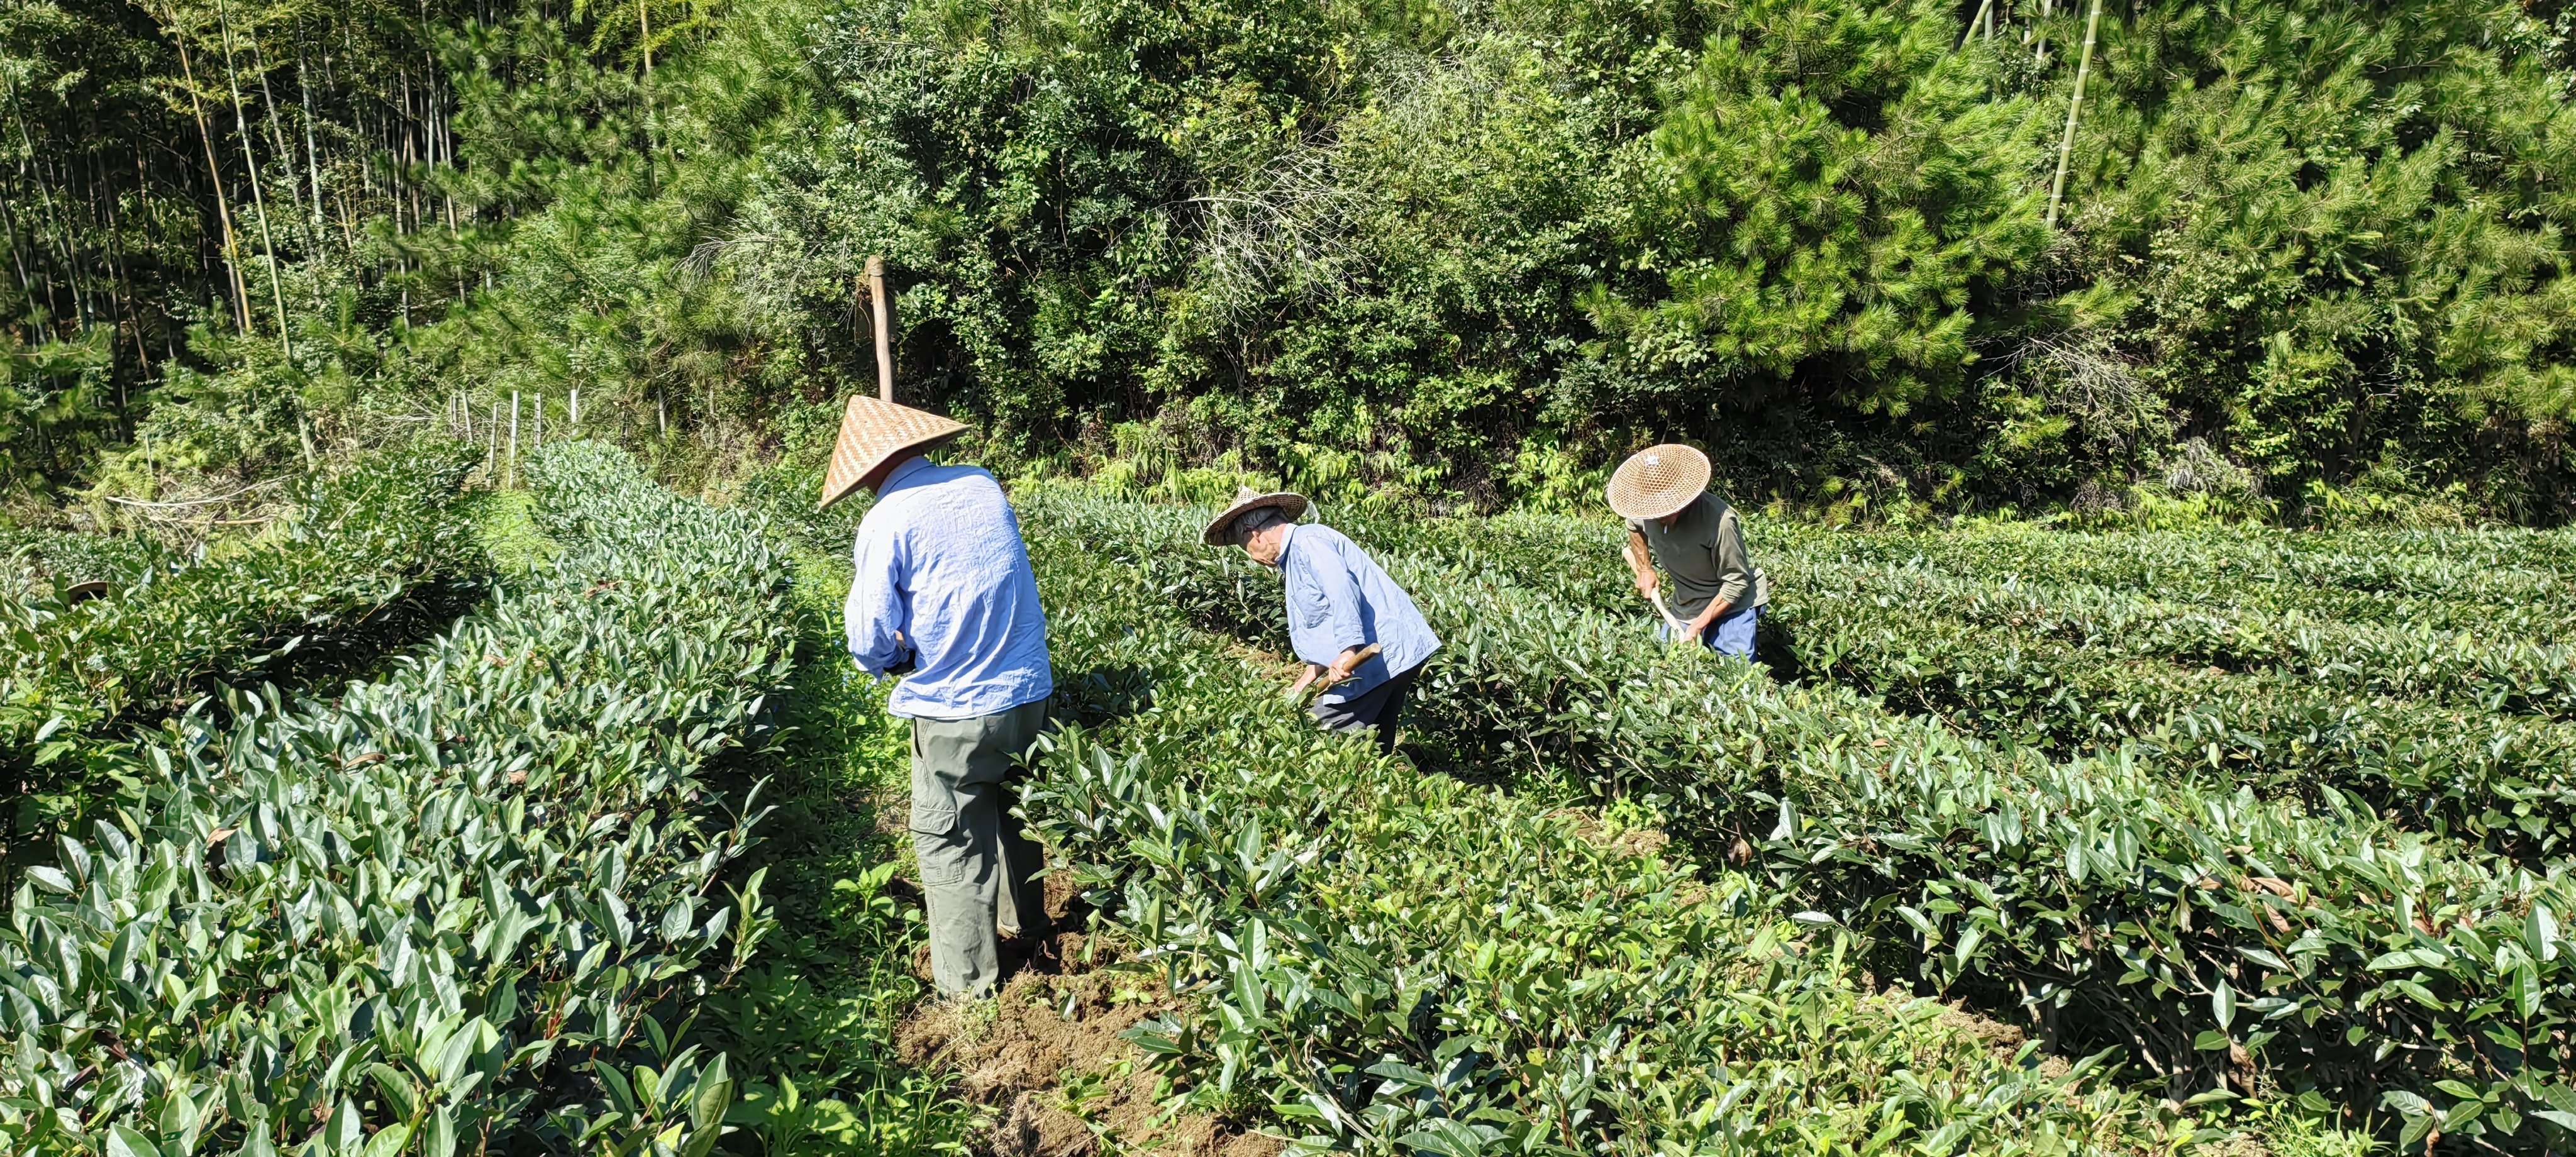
x=1675 y=523
x=945 y=597
x=1359 y=634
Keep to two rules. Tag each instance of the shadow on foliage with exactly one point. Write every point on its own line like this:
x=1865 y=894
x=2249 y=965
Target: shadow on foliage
x=1775 y=646
x=1103 y=695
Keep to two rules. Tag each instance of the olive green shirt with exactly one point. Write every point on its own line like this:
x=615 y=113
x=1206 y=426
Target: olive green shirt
x=1703 y=557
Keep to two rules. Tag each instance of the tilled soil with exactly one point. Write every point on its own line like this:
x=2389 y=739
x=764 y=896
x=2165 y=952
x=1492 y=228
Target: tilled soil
x=1045 y=1057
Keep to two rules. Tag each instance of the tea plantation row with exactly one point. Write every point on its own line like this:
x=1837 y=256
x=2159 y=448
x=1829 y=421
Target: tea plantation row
x=2215 y=934
x=372 y=558
x=2453 y=761
x=436 y=913
x=1385 y=962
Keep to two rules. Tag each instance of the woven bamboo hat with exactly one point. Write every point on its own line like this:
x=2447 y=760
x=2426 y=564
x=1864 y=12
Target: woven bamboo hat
x=1658 y=481
x=1247 y=500
x=874 y=434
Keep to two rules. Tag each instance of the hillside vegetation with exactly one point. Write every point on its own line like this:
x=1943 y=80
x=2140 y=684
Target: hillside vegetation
x=2301 y=261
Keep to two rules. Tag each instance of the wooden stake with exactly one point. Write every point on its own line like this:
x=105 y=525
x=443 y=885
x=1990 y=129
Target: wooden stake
x=2074 y=107
x=514 y=433
x=885 y=336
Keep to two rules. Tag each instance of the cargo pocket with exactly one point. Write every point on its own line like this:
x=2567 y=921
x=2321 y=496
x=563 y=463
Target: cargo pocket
x=933 y=819
x=940 y=843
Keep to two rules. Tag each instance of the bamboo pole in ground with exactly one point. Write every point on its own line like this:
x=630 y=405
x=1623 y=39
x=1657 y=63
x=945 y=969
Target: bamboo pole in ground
x=2074 y=108
x=885 y=336
x=514 y=435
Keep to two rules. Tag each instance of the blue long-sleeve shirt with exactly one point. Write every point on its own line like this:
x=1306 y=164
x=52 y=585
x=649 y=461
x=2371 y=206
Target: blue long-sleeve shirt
x=944 y=577
x=1339 y=598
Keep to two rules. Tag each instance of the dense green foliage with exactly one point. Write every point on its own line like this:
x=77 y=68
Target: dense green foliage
x=366 y=560
x=2310 y=262
x=438 y=911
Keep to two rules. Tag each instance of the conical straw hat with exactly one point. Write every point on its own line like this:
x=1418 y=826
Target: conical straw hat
x=873 y=434
x=1658 y=482
x=1247 y=500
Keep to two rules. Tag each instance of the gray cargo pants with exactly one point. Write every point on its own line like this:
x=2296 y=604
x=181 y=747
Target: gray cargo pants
x=975 y=861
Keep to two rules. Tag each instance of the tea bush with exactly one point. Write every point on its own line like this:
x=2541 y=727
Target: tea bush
x=439 y=912
x=54 y=559
x=2500 y=580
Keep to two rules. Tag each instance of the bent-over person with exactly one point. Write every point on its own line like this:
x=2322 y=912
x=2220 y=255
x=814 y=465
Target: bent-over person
x=1717 y=594
x=944 y=596
x=1359 y=634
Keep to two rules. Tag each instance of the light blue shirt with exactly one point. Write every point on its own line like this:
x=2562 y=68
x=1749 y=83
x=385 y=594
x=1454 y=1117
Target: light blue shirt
x=1338 y=598
x=940 y=560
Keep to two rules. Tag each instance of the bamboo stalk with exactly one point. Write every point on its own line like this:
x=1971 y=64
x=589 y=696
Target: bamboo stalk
x=258 y=199
x=312 y=157
x=277 y=145
x=1981 y=17
x=2074 y=108
x=214 y=172
x=514 y=435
